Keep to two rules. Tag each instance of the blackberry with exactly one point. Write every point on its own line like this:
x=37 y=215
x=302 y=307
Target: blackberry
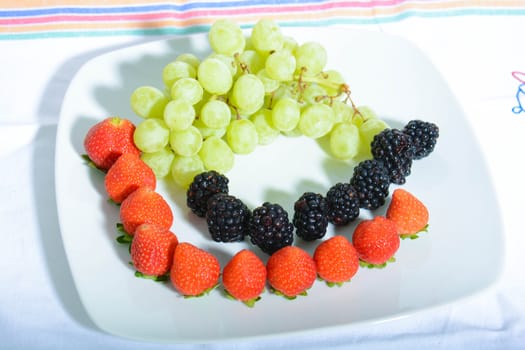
x=227 y=218
x=270 y=229
x=343 y=204
x=371 y=181
x=204 y=186
x=424 y=137
x=310 y=216
x=396 y=150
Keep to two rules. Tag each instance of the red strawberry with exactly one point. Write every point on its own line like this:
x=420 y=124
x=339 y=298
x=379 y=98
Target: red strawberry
x=127 y=174
x=376 y=241
x=152 y=249
x=142 y=206
x=336 y=260
x=109 y=139
x=408 y=212
x=244 y=277
x=194 y=270
x=291 y=271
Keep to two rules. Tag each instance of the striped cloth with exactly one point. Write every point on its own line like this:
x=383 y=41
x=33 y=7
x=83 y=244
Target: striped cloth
x=34 y=19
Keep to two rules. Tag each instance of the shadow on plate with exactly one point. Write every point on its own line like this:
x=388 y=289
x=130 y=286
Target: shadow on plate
x=44 y=187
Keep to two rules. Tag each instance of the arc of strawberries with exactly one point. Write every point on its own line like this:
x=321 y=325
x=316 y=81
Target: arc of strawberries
x=156 y=253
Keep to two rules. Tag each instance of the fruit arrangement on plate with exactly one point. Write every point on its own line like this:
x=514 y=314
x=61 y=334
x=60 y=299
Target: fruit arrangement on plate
x=247 y=92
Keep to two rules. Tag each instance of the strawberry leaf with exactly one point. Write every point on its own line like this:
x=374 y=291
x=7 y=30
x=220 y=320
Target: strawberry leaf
x=160 y=278
x=90 y=163
x=276 y=292
x=206 y=292
x=113 y=202
x=376 y=266
x=333 y=284
x=414 y=235
x=124 y=239
x=251 y=302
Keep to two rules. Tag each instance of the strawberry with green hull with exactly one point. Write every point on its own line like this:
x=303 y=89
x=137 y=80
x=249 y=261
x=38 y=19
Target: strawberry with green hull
x=244 y=277
x=127 y=174
x=291 y=271
x=144 y=206
x=409 y=214
x=152 y=250
x=107 y=140
x=336 y=260
x=194 y=271
x=376 y=241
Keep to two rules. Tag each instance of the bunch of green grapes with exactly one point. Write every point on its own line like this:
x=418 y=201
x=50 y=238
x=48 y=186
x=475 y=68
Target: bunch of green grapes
x=246 y=93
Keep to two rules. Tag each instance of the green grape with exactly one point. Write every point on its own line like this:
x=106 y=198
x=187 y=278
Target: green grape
x=184 y=169
x=282 y=91
x=289 y=44
x=343 y=112
x=226 y=37
x=286 y=113
x=314 y=93
x=242 y=136
x=311 y=57
x=207 y=131
x=270 y=85
x=262 y=120
x=316 y=120
x=188 y=89
x=344 y=140
x=280 y=65
x=229 y=61
x=216 y=155
x=179 y=115
x=248 y=94
x=186 y=142
x=367 y=112
x=266 y=36
x=215 y=114
x=367 y=131
x=159 y=162
x=148 y=102
x=206 y=96
x=190 y=59
x=214 y=76
x=251 y=61
x=175 y=70
x=293 y=133
x=151 y=135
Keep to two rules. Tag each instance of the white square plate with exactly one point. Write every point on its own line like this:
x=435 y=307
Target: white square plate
x=461 y=254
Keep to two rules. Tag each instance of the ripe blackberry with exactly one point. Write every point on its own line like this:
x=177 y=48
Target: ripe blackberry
x=227 y=218
x=310 y=216
x=424 y=137
x=396 y=150
x=204 y=186
x=371 y=181
x=270 y=229
x=343 y=204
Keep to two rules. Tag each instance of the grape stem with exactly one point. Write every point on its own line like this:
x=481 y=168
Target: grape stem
x=321 y=80
x=242 y=65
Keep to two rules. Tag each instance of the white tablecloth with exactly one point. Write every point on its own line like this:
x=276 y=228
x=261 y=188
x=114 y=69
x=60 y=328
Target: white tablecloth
x=39 y=305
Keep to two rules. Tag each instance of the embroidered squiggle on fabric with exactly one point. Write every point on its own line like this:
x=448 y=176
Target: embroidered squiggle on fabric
x=520 y=94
